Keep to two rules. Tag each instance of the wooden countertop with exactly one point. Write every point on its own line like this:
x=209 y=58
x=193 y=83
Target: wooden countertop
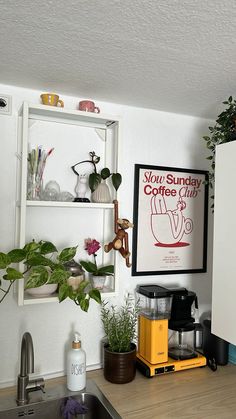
x=198 y=393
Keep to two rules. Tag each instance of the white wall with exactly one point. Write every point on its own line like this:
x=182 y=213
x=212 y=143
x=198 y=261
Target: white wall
x=149 y=137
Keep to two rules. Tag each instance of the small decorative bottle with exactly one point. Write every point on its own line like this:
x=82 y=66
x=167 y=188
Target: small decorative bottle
x=76 y=366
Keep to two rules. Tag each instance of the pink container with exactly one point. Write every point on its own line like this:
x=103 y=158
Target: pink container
x=88 y=106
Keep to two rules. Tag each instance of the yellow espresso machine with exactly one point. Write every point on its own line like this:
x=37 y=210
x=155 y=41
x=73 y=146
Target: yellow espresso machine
x=166 y=331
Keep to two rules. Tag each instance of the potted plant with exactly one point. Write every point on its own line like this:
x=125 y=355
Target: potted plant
x=119 y=349
x=45 y=265
x=98 y=274
x=97 y=181
x=98 y=186
x=222 y=132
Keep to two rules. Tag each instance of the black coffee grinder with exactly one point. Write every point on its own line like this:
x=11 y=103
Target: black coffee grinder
x=181 y=326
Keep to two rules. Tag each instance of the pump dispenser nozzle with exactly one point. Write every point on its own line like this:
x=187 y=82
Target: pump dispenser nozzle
x=76 y=344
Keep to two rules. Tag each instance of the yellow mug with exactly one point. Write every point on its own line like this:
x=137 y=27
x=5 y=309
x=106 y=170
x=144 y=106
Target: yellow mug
x=51 y=99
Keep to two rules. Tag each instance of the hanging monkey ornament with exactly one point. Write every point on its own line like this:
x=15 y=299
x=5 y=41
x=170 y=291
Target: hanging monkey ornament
x=120 y=242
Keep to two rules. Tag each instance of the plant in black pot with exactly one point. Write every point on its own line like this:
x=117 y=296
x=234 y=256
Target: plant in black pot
x=119 y=349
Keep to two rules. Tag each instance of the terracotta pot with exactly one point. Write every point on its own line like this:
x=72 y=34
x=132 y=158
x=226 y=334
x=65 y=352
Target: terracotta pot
x=119 y=367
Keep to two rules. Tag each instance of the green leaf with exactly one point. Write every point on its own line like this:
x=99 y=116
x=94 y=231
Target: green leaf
x=31 y=247
x=17 y=255
x=71 y=293
x=83 y=285
x=12 y=274
x=116 y=180
x=106 y=270
x=105 y=173
x=95 y=295
x=37 y=277
x=94 y=180
x=64 y=291
x=5 y=260
x=84 y=304
x=59 y=276
x=89 y=266
x=48 y=247
x=36 y=259
x=67 y=254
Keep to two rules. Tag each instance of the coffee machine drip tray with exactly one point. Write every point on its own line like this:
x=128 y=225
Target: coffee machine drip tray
x=181 y=353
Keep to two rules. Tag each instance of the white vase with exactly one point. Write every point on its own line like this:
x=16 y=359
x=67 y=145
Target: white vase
x=98 y=281
x=104 y=283
x=101 y=194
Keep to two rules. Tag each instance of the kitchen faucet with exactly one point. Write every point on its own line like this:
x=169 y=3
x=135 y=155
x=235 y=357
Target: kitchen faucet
x=24 y=385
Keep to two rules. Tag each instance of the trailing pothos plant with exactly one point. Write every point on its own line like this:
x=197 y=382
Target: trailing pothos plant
x=43 y=264
x=223 y=131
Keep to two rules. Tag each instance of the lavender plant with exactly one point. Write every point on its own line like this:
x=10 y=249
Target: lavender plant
x=120 y=325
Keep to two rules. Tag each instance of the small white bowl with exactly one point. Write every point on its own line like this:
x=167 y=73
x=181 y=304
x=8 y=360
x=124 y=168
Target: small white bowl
x=43 y=291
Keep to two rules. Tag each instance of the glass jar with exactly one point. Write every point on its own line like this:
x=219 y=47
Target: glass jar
x=34 y=187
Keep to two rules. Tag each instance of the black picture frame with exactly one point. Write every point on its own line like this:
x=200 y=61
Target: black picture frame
x=170 y=215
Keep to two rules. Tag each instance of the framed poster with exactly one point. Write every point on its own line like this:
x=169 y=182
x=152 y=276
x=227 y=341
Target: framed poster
x=170 y=220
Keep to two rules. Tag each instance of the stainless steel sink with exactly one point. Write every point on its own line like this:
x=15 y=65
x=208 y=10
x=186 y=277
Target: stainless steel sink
x=48 y=406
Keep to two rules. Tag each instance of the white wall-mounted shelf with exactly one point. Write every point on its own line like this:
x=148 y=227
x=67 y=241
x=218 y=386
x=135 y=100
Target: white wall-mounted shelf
x=62 y=115
x=87 y=205
x=56 y=220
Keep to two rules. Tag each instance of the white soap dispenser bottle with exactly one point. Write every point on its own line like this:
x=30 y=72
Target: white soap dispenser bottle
x=76 y=366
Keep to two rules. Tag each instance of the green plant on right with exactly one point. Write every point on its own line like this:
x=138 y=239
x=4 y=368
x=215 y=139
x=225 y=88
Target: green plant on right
x=222 y=132
x=120 y=325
